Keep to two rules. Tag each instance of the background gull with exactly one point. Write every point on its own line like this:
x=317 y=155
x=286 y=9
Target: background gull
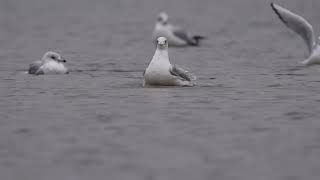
x=161 y=72
x=302 y=27
x=51 y=63
x=175 y=35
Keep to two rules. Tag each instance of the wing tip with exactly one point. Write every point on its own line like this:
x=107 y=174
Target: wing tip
x=272 y=4
x=197 y=39
x=274 y=8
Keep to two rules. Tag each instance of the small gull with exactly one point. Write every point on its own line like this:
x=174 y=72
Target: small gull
x=160 y=72
x=302 y=27
x=51 y=63
x=175 y=35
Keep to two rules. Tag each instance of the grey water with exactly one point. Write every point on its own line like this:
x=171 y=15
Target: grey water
x=254 y=114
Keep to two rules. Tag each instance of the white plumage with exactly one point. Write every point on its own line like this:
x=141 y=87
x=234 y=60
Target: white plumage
x=160 y=71
x=302 y=27
x=51 y=63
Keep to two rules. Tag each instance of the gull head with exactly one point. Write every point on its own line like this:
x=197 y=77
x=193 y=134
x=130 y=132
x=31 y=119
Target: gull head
x=162 y=43
x=163 y=18
x=53 y=56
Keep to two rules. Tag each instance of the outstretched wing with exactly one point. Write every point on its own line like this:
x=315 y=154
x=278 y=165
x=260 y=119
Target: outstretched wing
x=178 y=71
x=297 y=23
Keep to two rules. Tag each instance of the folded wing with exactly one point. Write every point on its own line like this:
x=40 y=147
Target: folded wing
x=34 y=68
x=183 y=74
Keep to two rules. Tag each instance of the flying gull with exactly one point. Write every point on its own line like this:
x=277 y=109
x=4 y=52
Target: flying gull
x=160 y=72
x=302 y=27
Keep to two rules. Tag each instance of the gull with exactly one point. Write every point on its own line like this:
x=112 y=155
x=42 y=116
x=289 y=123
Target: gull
x=175 y=35
x=303 y=28
x=160 y=72
x=51 y=63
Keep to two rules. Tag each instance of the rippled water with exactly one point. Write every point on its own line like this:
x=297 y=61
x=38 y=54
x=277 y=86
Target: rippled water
x=253 y=115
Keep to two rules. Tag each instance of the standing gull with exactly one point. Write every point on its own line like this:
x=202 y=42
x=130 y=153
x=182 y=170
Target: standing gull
x=302 y=27
x=51 y=63
x=175 y=35
x=162 y=73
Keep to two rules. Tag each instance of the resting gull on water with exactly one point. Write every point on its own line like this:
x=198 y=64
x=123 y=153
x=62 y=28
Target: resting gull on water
x=160 y=72
x=302 y=27
x=51 y=63
x=175 y=35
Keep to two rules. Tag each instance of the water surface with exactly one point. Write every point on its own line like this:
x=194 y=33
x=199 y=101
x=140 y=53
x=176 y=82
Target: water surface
x=253 y=114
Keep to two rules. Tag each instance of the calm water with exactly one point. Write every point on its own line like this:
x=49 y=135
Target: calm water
x=254 y=114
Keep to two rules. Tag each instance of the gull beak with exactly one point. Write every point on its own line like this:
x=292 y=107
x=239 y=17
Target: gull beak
x=62 y=60
x=162 y=43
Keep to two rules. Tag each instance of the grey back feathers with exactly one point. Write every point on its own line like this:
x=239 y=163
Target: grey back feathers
x=51 y=63
x=182 y=34
x=178 y=71
x=34 y=68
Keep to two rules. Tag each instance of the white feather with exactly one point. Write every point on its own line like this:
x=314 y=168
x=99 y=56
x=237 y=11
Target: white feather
x=158 y=70
x=303 y=28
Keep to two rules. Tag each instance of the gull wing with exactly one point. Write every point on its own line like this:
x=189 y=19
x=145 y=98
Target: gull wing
x=296 y=23
x=178 y=71
x=35 y=68
x=182 y=34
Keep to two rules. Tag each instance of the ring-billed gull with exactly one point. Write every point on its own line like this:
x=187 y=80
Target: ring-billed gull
x=175 y=35
x=302 y=27
x=162 y=73
x=51 y=63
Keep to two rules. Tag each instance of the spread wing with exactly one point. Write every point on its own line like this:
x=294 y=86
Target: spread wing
x=178 y=71
x=296 y=23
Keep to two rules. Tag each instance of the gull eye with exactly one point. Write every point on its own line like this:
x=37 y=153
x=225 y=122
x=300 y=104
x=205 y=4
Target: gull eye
x=165 y=41
x=53 y=57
